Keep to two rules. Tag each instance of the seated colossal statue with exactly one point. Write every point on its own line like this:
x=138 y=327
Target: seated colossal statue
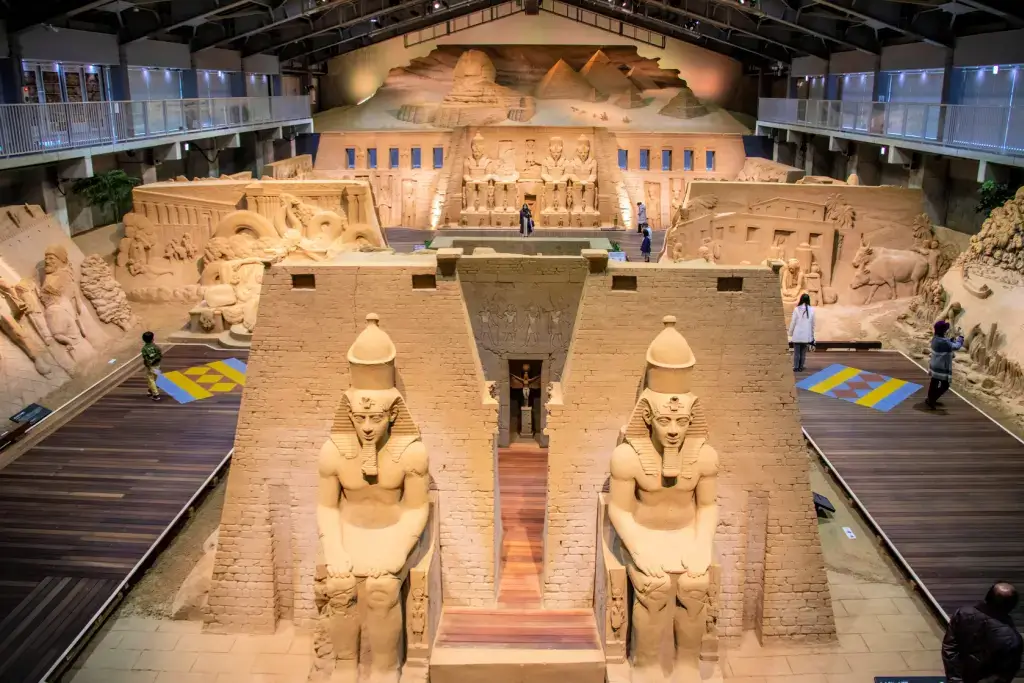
x=662 y=505
x=372 y=507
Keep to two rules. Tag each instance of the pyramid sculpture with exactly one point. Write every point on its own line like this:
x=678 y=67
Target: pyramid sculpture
x=684 y=105
x=562 y=82
x=641 y=80
x=605 y=76
x=631 y=99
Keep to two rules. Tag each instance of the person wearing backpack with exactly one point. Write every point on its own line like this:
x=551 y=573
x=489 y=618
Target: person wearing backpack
x=151 y=357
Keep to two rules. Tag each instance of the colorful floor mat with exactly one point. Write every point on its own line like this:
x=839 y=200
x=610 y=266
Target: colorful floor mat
x=203 y=381
x=859 y=386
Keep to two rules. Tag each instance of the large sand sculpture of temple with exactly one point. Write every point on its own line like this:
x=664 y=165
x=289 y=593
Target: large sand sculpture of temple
x=710 y=446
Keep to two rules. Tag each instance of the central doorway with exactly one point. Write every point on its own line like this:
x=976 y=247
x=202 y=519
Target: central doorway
x=525 y=404
x=522 y=484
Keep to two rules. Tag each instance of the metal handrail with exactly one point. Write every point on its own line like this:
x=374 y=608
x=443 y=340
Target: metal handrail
x=37 y=128
x=994 y=129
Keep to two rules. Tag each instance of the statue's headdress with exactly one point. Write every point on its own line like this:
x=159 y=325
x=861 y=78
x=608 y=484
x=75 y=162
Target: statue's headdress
x=666 y=390
x=371 y=361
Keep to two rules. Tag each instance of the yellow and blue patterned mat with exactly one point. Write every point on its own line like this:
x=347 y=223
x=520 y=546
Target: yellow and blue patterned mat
x=203 y=381
x=862 y=387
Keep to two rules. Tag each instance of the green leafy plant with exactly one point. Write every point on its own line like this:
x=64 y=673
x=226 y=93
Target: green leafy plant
x=110 y=192
x=616 y=246
x=426 y=245
x=992 y=195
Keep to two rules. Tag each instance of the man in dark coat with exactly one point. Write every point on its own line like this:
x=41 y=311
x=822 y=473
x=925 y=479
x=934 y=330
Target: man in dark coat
x=982 y=645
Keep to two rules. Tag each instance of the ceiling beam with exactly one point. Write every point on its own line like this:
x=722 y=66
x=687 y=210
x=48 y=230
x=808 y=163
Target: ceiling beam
x=200 y=17
x=779 y=12
x=288 y=11
x=846 y=7
x=1015 y=19
x=47 y=15
x=727 y=26
x=624 y=15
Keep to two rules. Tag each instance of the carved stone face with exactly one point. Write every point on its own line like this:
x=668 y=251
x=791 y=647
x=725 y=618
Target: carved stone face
x=51 y=263
x=583 y=150
x=555 y=147
x=669 y=423
x=371 y=426
x=478 y=149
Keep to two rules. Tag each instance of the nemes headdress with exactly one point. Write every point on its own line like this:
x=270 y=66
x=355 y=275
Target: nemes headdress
x=666 y=390
x=372 y=365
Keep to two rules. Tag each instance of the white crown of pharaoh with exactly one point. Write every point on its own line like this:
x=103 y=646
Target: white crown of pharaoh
x=371 y=361
x=669 y=361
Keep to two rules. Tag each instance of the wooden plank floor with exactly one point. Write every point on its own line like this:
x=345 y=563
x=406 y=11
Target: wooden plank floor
x=946 y=487
x=84 y=507
x=522 y=482
x=568 y=629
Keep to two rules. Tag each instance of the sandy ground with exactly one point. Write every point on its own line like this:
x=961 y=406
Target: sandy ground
x=153 y=594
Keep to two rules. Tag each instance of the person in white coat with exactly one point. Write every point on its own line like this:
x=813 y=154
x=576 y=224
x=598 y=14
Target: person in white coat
x=801 y=331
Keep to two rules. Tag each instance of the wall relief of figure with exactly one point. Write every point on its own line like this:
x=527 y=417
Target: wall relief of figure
x=62 y=305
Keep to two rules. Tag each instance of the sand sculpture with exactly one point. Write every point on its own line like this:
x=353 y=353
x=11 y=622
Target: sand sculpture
x=48 y=330
x=105 y=293
x=684 y=105
x=662 y=504
x=372 y=507
x=562 y=82
x=756 y=170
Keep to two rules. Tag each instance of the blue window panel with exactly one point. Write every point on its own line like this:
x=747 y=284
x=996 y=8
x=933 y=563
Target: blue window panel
x=416 y=157
x=687 y=159
x=645 y=160
x=371 y=157
x=350 y=157
x=439 y=157
x=666 y=160
x=624 y=159
x=393 y=157
x=709 y=161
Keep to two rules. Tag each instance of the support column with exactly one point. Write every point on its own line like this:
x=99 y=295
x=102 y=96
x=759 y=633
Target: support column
x=931 y=177
x=55 y=202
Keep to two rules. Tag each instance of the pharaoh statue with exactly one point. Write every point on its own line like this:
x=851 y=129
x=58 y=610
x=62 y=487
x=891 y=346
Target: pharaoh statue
x=372 y=507
x=662 y=504
x=582 y=173
x=476 y=173
x=506 y=175
x=553 y=173
x=62 y=307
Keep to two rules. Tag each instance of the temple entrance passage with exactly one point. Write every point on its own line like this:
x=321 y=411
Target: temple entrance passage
x=522 y=483
x=524 y=400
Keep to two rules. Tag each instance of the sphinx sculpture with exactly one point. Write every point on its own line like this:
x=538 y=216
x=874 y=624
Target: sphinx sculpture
x=372 y=508
x=663 y=506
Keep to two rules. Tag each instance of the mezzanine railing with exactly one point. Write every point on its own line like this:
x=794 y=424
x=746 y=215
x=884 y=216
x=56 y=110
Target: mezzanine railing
x=38 y=128
x=998 y=130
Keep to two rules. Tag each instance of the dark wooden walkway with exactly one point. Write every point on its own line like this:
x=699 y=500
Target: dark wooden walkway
x=946 y=488
x=85 y=507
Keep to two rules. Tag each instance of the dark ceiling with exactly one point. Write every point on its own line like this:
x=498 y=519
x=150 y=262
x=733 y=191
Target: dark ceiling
x=308 y=32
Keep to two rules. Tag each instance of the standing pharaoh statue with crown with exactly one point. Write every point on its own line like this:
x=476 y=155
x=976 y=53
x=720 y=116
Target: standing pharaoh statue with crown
x=662 y=504
x=372 y=507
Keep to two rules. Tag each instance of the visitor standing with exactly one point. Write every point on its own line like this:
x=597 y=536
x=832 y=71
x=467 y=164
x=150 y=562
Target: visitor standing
x=982 y=644
x=801 y=331
x=525 y=220
x=645 y=245
x=641 y=216
x=151 y=357
x=941 y=366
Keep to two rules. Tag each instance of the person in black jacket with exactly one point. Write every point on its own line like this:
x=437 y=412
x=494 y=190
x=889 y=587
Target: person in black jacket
x=982 y=645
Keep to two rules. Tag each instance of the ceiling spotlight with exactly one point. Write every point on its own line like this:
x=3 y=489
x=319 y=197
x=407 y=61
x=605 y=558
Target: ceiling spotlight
x=437 y=5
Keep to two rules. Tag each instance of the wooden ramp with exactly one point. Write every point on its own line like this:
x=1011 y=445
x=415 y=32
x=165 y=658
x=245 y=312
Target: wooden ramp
x=85 y=508
x=945 y=489
x=518 y=640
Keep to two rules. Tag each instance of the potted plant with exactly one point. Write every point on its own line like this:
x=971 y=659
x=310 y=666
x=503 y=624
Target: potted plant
x=110 y=193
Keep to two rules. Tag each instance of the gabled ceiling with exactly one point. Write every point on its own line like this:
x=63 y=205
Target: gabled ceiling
x=309 y=32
